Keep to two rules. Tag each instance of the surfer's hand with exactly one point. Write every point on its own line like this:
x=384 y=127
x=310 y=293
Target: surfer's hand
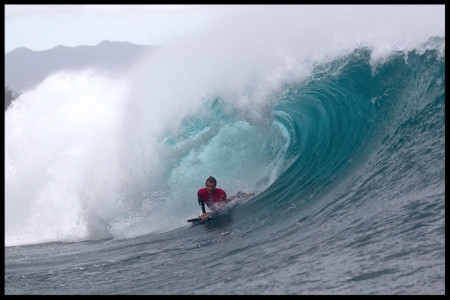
x=204 y=216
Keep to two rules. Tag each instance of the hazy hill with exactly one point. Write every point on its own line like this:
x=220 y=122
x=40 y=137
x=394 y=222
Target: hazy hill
x=25 y=68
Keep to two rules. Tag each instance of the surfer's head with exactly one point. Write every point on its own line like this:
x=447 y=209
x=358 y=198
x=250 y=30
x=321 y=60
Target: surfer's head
x=210 y=184
x=211 y=180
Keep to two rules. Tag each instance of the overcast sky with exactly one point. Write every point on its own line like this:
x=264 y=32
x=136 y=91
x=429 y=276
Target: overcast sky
x=42 y=27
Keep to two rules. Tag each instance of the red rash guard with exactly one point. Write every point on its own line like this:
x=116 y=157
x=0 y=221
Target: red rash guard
x=218 y=197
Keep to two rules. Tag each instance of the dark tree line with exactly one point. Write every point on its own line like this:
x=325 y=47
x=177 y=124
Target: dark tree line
x=10 y=95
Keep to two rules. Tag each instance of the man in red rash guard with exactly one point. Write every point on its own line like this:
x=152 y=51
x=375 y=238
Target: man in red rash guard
x=215 y=198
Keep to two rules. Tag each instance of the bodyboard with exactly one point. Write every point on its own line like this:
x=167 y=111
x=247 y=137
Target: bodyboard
x=196 y=221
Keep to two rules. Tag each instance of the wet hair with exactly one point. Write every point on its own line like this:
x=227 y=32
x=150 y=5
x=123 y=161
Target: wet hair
x=212 y=180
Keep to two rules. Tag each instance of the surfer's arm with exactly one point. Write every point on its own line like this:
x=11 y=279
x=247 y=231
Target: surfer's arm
x=242 y=195
x=234 y=196
x=202 y=204
x=204 y=214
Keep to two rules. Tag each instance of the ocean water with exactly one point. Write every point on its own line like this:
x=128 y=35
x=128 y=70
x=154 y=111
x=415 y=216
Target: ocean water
x=344 y=149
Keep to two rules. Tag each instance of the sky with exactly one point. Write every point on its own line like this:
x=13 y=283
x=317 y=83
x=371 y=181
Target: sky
x=42 y=27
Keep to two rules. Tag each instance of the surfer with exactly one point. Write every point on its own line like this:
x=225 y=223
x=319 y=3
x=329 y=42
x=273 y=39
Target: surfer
x=215 y=198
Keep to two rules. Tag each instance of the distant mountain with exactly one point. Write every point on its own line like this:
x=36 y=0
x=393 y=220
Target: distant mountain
x=25 y=68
